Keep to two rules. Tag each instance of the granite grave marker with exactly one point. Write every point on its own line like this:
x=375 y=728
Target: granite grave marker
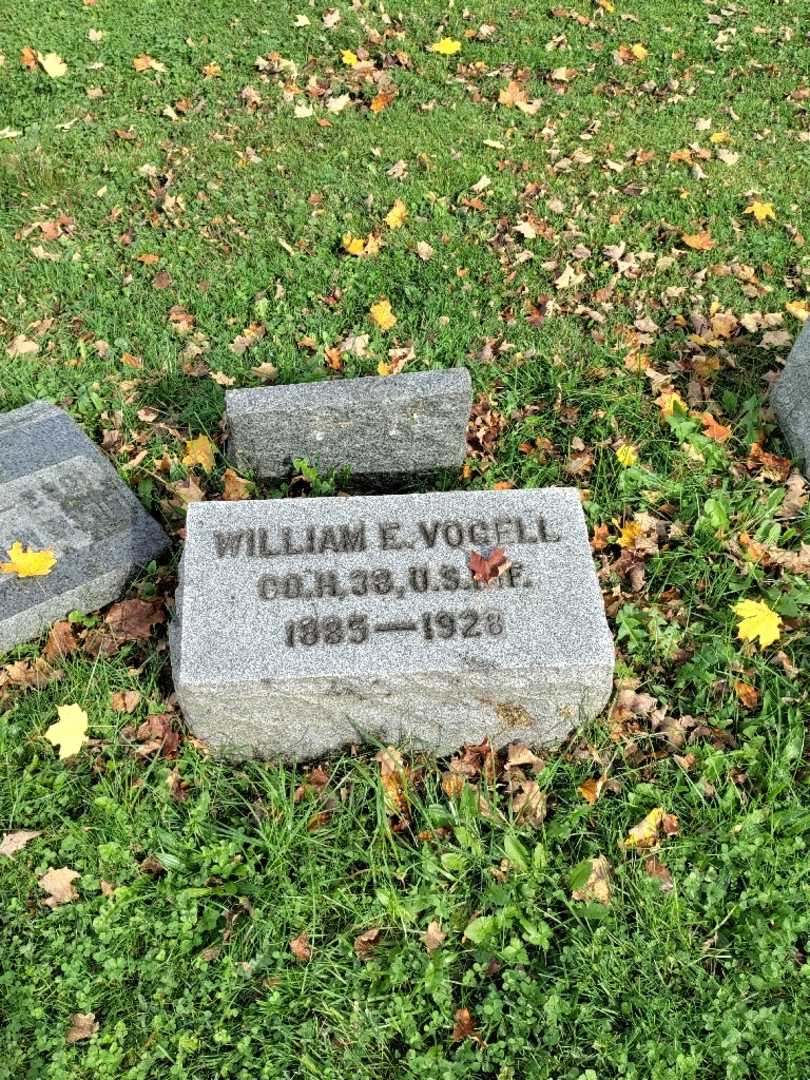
x=401 y=424
x=790 y=398
x=58 y=492
x=305 y=624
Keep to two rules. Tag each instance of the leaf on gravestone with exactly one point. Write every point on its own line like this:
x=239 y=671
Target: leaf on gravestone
x=364 y=943
x=234 y=487
x=757 y=622
x=25 y=562
x=59 y=885
x=13 y=842
x=69 y=731
x=486 y=568
x=133 y=619
x=433 y=936
x=22 y=346
x=761 y=211
x=701 y=241
x=199 y=451
x=82 y=1026
x=382 y=315
x=395 y=218
x=301 y=948
x=597 y=886
x=52 y=64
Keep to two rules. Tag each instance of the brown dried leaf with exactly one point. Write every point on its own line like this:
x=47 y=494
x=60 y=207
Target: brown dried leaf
x=133 y=619
x=13 y=842
x=657 y=870
x=364 y=943
x=83 y=1026
x=301 y=948
x=433 y=936
x=486 y=568
x=59 y=885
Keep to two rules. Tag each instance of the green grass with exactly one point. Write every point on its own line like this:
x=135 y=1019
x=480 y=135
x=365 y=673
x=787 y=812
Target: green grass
x=187 y=965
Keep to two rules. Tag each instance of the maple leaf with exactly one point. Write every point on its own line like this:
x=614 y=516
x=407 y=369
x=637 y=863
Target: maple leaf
x=22 y=346
x=748 y=695
x=301 y=948
x=52 y=64
x=234 y=486
x=133 y=619
x=645 y=834
x=447 y=46
x=199 y=451
x=395 y=218
x=714 y=430
x=59 y=883
x=82 y=1026
x=486 y=568
x=382 y=315
x=761 y=211
x=639 y=51
x=69 y=731
x=13 y=842
x=353 y=245
x=349 y=58
x=757 y=621
x=626 y=455
x=364 y=943
x=464 y=1027
x=597 y=887
x=701 y=241
x=27 y=562
x=433 y=936
x=669 y=401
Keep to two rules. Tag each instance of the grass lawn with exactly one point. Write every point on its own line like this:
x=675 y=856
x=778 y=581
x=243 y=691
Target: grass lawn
x=606 y=218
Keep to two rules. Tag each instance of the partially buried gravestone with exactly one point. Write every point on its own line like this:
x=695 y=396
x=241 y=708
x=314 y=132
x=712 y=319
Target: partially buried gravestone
x=60 y=494
x=305 y=624
x=791 y=399
x=401 y=424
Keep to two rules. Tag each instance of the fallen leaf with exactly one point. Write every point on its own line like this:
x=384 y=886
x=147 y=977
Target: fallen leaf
x=626 y=455
x=713 y=429
x=447 y=46
x=59 y=885
x=364 y=943
x=598 y=887
x=394 y=780
x=13 y=842
x=591 y=789
x=25 y=562
x=639 y=51
x=212 y=71
x=349 y=58
x=301 y=948
x=748 y=695
x=530 y=804
x=21 y=346
x=701 y=241
x=433 y=936
x=382 y=315
x=28 y=58
x=52 y=64
x=69 y=731
x=265 y=371
x=761 y=211
x=464 y=1027
x=395 y=218
x=757 y=621
x=82 y=1026
x=645 y=834
x=669 y=401
x=125 y=701
x=161 y=280
x=61 y=641
x=657 y=870
x=234 y=487
x=486 y=568
x=199 y=451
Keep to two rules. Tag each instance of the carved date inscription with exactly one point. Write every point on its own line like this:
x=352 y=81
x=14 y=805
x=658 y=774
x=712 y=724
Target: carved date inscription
x=356 y=629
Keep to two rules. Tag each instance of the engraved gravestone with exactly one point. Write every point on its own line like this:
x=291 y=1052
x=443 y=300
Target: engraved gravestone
x=58 y=492
x=393 y=426
x=305 y=624
x=790 y=398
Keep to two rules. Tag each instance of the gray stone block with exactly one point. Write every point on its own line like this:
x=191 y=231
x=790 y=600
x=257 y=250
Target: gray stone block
x=397 y=425
x=790 y=398
x=58 y=491
x=305 y=624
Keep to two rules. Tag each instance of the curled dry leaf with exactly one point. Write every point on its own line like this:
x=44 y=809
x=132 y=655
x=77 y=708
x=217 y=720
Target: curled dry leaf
x=646 y=833
x=486 y=568
x=301 y=948
x=364 y=943
x=530 y=805
x=82 y=1026
x=598 y=886
x=464 y=1027
x=657 y=870
x=234 y=487
x=133 y=619
x=59 y=885
x=433 y=936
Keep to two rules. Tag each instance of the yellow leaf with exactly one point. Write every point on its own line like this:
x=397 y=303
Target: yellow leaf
x=353 y=244
x=628 y=534
x=395 y=218
x=761 y=210
x=645 y=834
x=28 y=563
x=52 y=64
x=382 y=315
x=799 y=309
x=669 y=401
x=199 y=451
x=757 y=620
x=446 y=47
x=212 y=71
x=639 y=51
x=69 y=731
x=349 y=58
x=627 y=455
x=372 y=245
x=719 y=137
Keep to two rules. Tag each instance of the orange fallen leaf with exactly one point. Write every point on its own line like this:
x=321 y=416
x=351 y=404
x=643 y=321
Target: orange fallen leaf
x=701 y=241
x=714 y=430
x=301 y=948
